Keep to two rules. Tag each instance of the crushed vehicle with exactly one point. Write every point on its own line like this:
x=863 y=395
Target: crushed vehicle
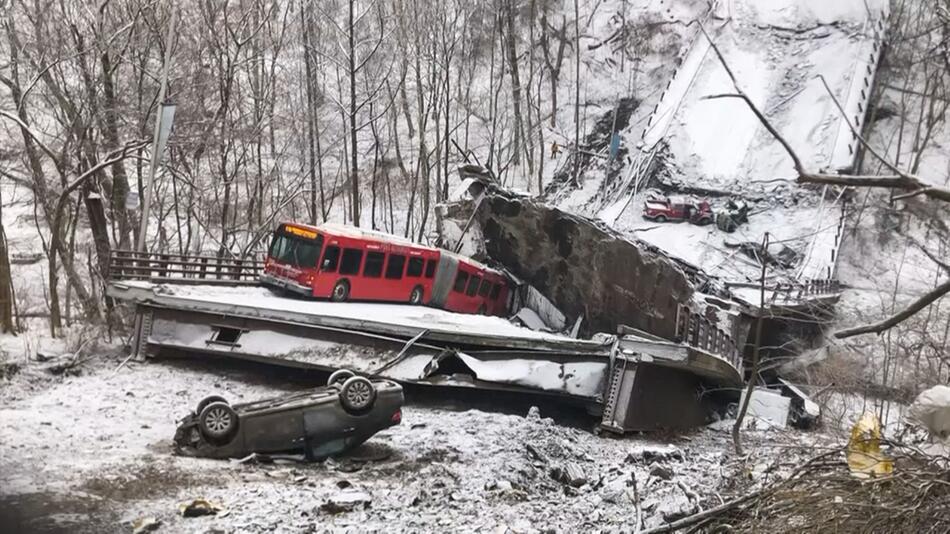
x=320 y=422
x=735 y=215
x=663 y=209
x=786 y=257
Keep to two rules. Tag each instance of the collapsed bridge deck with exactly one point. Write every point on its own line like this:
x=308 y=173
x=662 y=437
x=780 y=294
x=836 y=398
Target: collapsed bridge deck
x=611 y=375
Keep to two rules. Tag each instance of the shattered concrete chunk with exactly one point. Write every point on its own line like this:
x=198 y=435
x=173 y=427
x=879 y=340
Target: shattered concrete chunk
x=570 y=474
x=651 y=453
x=346 y=501
x=662 y=472
x=145 y=524
x=199 y=507
x=535 y=453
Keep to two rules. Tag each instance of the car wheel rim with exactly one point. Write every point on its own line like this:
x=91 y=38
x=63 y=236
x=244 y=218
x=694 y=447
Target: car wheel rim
x=218 y=421
x=358 y=395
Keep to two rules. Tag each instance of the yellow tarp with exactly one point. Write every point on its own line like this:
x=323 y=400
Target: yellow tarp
x=864 y=449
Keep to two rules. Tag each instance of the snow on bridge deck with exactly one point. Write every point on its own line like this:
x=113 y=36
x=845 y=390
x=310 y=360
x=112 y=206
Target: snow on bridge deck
x=401 y=320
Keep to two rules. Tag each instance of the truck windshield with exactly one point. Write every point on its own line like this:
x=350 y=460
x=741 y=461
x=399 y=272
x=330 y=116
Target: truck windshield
x=296 y=251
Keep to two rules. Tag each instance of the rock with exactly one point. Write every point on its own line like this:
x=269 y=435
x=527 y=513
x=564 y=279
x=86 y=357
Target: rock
x=145 y=524
x=534 y=413
x=571 y=474
x=651 y=453
x=535 y=453
x=199 y=507
x=649 y=505
x=615 y=490
x=346 y=501
x=8 y=369
x=932 y=410
x=45 y=355
x=662 y=472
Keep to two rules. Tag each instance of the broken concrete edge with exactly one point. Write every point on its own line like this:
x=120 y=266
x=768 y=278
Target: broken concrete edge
x=583 y=267
x=701 y=278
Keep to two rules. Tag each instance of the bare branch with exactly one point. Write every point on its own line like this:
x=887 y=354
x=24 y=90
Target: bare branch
x=900 y=181
x=897 y=318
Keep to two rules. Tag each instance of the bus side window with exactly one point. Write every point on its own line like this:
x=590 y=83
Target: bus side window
x=430 y=268
x=395 y=266
x=414 y=268
x=460 y=280
x=374 y=264
x=484 y=289
x=352 y=257
x=495 y=291
x=473 y=286
x=331 y=258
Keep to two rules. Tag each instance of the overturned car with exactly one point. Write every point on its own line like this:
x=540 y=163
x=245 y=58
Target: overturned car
x=319 y=422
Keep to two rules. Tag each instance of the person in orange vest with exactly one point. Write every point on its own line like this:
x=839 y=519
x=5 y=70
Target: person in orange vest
x=555 y=149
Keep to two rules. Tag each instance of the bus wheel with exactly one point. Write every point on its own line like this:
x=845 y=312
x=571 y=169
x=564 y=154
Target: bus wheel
x=341 y=291
x=416 y=296
x=482 y=310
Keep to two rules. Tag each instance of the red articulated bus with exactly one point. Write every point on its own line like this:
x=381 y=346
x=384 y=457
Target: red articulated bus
x=344 y=263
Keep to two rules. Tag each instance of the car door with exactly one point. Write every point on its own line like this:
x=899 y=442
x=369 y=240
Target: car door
x=273 y=430
x=327 y=427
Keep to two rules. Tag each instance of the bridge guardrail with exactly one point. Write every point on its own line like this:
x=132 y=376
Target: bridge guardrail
x=182 y=268
x=696 y=331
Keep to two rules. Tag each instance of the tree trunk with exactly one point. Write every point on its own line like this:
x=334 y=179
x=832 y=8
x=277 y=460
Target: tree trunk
x=515 y=77
x=99 y=226
x=577 y=93
x=311 y=114
x=7 y=319
x=120 y=180
x=354 y=152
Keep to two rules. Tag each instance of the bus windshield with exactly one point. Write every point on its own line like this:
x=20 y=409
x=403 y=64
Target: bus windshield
x=295 y=251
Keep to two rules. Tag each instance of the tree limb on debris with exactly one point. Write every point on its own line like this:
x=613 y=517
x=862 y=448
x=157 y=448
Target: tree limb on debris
x=899 y=180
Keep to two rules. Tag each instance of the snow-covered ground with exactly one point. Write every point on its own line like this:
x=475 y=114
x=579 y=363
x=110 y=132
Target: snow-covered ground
x=90 y=453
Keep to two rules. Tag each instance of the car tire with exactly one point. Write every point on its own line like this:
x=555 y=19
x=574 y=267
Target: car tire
x=218 y=422
x=415 y=297
x=339 y=376
x=341 y=291
x=358 y=395
x=208 y=400
x=660 y=218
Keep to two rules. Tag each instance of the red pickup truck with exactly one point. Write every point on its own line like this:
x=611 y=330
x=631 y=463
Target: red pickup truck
x=662 y=209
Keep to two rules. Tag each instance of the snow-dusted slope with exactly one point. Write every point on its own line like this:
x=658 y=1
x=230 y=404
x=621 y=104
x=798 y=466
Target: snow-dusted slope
x=780 y=52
